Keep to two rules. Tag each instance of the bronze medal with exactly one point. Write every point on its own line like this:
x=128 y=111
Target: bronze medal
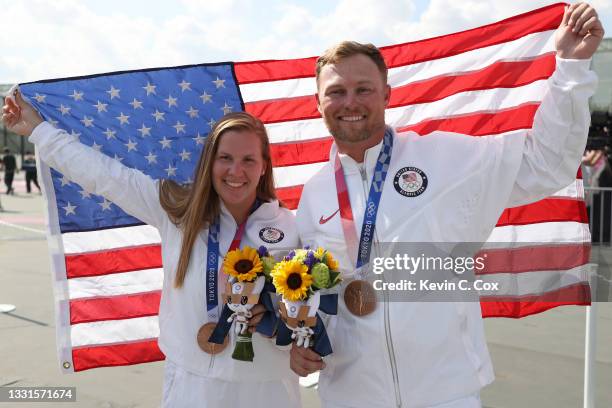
x=203 y=336
x=360 y=298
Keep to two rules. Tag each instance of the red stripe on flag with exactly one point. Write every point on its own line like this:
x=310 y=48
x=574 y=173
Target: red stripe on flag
x=145 y=351
x=481 y=123
x=114 y=307
x=521 y=306
x=547 y=210
x=307 y=152
x=543 y=19
x=501 y=74
x=535 y=258
x=113 y=261
x=475 y=124
x=290 y=196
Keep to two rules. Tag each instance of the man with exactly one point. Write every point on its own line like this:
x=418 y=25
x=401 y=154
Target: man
x=440 y=188
x=29 y=166
x=10 y=167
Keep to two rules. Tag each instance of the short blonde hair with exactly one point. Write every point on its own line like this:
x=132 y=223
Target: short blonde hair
x=347 y=49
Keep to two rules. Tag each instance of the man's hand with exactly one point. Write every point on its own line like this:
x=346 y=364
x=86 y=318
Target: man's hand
x=580 y=32
x=19 y=116
x=304 y=361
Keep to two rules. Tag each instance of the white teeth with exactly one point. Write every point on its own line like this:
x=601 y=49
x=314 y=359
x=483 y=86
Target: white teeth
x=352 y=118
x=236 y=185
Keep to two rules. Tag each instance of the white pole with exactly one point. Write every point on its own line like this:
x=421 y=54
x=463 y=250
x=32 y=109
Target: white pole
x=590 y=343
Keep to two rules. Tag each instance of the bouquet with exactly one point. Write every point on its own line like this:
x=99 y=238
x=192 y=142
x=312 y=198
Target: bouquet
x=299 y=278
x=248 y=269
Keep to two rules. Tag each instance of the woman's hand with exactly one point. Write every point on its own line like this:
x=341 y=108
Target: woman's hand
x=19 y=116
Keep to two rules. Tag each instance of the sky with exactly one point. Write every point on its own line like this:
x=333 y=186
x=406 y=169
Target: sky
x=63 y=38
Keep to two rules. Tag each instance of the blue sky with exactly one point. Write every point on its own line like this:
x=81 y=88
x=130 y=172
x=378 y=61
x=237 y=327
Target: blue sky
x=43 y=39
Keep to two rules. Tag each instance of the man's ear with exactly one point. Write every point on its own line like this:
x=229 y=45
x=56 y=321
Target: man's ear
x=387 y=95
x=318 y=103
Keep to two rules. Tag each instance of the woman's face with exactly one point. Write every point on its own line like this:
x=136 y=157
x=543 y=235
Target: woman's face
x=237 y=168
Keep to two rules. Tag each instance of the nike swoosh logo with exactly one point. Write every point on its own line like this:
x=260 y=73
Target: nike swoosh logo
x=324 y=220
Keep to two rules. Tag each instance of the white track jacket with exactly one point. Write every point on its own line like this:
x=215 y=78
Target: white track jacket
x=423 y=354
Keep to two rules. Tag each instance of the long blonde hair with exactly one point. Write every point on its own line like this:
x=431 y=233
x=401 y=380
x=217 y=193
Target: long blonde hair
x=194 y=207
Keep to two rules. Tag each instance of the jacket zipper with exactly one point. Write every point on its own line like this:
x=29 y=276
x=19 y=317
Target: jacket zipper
x=388 y=338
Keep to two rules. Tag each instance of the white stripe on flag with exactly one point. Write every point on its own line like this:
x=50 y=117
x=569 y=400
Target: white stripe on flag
x=114 y=331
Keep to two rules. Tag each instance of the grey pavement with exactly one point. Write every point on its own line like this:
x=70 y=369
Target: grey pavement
x=538 y=360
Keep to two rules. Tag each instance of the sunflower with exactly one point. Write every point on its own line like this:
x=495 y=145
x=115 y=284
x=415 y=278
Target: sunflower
x=243 y=264
x=331 y=263
x=292 y=280
x=326 y=256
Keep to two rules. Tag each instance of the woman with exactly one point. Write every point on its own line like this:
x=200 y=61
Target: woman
x=233 y=184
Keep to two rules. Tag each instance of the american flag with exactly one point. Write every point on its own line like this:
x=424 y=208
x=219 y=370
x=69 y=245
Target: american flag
x=107 y=264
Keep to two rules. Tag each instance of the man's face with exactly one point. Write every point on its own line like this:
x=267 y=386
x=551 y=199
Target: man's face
x=352 y=97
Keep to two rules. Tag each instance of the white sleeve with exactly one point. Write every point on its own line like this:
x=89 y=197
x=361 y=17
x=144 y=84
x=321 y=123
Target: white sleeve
x=133 y=191
x=554 y=147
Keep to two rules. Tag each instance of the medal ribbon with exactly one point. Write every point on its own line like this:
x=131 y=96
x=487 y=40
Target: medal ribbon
x=361 y=250
x=212 y=264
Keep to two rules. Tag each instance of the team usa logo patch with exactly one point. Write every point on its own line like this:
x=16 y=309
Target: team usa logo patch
x=410 y=181
x=271 y=235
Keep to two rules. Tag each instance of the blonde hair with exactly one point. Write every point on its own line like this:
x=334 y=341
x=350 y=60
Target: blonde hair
x=194 y=207
x=347 y=49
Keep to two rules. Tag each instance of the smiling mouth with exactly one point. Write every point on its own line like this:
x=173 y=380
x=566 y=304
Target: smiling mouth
x=234 y=184
x=352 y=118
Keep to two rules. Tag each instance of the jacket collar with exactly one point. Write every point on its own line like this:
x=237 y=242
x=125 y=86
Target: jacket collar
x=349 y=165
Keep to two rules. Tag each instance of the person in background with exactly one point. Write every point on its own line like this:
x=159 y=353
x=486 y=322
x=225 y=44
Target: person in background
x=29 y=166
x=9 y=163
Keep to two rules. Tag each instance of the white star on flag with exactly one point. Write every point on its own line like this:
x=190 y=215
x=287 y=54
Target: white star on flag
x=199 y=139
x=87 y=122
x=130 y=145
x=171 y=101
x=206 y=97
x=119 y=159
x=69 y=209
x=185 y=85
x=64 y=109
x=219 y=83
x=96 y=147
x=114 y=93
x=151 y=158
x=158 y=115
x=85 y=194
x=40 y=98
x=136 y=104
x=109 y=133
x=123 y=119
x=179 y=127
x=144 y=131
x=75 y=134
x=165 y=143
x=226 y=109
x=211 y=123
x=193 y=113
x=77 y=96
x=150 y=89
x=105 y=205
x=185 y=155
x=171 y=171
x=65 y=181
x=101 y=107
